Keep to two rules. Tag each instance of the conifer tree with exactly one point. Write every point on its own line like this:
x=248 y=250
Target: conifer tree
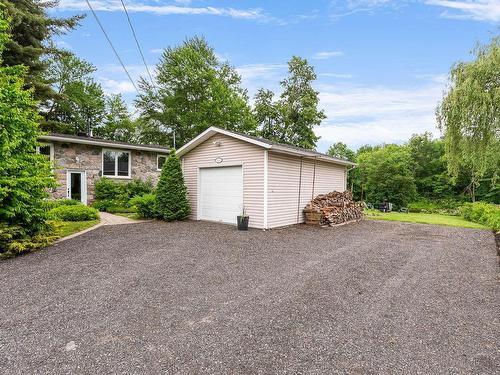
x=171 y=193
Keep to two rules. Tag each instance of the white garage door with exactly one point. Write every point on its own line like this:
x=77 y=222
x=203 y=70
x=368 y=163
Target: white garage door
x=221 y=193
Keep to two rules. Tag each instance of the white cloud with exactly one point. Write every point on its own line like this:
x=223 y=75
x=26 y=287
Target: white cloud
x=255 y=76
x=156 y=50
x=111 y=86
x=326 y=55
x=160 y=9
x=478 y=10
x=359 y=115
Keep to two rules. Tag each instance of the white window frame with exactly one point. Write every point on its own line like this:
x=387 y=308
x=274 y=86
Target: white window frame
x=158 y=156
x=51 y=146
x=115 y=150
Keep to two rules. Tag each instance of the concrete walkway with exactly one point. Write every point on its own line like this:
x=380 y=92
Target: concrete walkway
x=106 y=219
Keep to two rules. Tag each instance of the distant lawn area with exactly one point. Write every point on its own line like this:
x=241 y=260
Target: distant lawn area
x=65 y=228
x=437 y=219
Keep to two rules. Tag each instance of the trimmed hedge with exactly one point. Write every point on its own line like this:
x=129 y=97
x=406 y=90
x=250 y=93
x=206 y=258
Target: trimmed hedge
x=74 y=213
x=145 y=205
x=53 y=203
x=484 y=213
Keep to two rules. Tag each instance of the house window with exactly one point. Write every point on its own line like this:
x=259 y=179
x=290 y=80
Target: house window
x=160 y=160
x=116 y=163
x=46 y=149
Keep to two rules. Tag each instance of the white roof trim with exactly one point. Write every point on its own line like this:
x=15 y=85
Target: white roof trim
x=277 y=148
x=103 y=143
x=210 y=132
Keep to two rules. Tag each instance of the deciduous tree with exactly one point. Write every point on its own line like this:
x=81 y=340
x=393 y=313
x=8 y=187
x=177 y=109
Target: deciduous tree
x=469 y=116
x=291 y=119
x=193 y=91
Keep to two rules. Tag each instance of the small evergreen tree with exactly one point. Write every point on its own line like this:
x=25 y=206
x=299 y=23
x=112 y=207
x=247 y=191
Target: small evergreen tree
x=171 y=193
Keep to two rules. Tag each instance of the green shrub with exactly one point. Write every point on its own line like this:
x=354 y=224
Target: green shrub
x=138 y=187
x=106 y=189
x=53 y=203
x=145 y=205
x=14 y=240
x=112 y=196
x=74 y=213
x=171 y=192
x=107 y=205
x=444 y=206
x=484 y=213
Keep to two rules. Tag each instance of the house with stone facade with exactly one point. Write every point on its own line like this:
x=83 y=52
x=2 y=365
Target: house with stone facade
x=79 y=161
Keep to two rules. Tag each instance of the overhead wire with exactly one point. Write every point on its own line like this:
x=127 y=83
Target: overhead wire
x=137 y=42
x=111 y=45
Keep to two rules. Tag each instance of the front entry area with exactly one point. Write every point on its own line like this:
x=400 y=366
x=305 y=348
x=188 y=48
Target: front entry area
x=76 y=183
x=221 y=194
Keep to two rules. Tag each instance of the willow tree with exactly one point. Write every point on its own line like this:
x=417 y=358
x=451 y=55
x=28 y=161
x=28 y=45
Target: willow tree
x=469 y=116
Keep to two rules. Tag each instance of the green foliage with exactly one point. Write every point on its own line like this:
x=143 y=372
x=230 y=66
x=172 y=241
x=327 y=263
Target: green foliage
x=112 y=196
x=340 y=150
x=53 y=203
x=32 y=29
x=469 y=116
x=74 y=213
x=15 y=240
x=24 y=175
x=484 y=213
x=193 y=91
x=117 y=125
x=171 y=193
x=444 y=206
x=429 y=165
x=80 y=102
x=292 y=118
x=106 y=188
x=145 y=205
x=387 y=175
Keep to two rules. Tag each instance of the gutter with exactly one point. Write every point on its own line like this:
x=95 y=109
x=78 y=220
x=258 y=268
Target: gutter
x=56 y=138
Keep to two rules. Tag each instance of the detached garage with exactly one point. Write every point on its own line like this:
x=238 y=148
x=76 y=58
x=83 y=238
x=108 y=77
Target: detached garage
x=226 y=172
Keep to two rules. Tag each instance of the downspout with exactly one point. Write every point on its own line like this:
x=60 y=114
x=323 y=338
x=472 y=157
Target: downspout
x=300 y=185
x=314 y=178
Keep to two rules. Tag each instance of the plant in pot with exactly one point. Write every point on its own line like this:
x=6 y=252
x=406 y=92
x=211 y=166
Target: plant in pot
x=243 y=220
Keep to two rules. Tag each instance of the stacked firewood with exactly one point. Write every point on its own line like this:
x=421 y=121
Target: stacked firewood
x=335 y=208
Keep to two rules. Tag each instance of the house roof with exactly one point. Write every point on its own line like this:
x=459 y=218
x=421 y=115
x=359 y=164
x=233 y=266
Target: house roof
x=262 y=142
x=54 y=137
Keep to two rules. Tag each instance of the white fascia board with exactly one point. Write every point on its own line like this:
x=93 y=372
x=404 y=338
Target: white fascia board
x=202 y=137
x=56 y=138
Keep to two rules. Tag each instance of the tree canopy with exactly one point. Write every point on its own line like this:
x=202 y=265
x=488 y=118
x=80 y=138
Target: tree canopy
x=193 y=91
x=291 y=119
x=31 y=31
x=469 y=116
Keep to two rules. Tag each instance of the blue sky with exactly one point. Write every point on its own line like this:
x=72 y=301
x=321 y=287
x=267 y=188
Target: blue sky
x=381 y=64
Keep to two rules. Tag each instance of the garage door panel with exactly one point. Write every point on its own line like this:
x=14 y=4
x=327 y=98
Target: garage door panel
x=221 y=193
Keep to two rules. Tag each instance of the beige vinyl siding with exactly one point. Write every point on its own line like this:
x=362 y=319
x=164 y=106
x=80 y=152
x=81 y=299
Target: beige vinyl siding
x=284 y=207
x=233 y=152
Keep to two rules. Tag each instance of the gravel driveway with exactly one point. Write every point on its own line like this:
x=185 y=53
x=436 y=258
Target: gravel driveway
x=372 y=297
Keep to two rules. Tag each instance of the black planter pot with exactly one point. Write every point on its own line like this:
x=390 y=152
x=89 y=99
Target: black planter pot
x=243 y=222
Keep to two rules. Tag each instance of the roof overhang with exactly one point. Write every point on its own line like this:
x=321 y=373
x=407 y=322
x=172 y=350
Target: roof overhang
x=102 y=143
x=272 y=147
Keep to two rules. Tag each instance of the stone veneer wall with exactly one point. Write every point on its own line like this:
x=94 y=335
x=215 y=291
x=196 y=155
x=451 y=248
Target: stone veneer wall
x=90 y=160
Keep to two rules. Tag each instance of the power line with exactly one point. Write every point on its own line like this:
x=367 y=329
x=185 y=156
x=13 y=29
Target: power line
x=137 y=42
x=111 y=44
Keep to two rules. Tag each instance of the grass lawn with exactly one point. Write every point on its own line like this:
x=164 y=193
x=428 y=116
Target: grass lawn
x=130 y=215
x=437 y=219
x=65 y=228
